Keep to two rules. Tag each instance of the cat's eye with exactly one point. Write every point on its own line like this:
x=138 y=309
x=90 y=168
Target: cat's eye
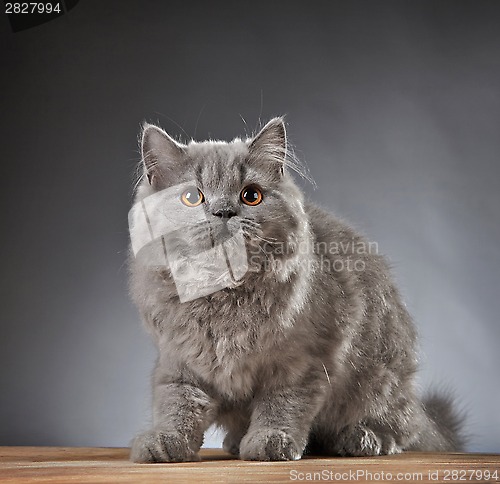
x=251 y=195
x=192 y=197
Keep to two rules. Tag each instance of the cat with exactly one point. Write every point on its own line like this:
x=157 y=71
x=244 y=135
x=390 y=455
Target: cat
x=273 y=319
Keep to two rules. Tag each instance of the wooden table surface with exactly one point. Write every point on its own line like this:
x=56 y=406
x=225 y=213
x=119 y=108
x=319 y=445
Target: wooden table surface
x=111 y=465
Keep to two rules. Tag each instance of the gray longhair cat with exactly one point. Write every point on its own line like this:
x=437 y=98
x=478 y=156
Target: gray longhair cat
x=273 y=319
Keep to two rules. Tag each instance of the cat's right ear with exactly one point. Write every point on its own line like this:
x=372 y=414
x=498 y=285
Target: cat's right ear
x=160 y=154
x=269 y=146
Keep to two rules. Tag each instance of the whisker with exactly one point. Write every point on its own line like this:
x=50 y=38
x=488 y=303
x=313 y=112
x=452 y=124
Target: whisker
x=327 y=375
x=266 y=240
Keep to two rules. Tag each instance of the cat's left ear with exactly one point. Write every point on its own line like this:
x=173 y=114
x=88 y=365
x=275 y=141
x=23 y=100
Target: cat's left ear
x=269 y=146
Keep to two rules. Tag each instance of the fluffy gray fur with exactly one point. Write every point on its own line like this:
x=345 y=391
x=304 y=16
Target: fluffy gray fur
x=301 y=356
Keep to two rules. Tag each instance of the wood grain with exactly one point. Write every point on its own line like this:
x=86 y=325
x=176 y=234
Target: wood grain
x=111 y=465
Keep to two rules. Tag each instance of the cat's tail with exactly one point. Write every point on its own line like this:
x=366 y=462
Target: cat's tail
x=442 y=428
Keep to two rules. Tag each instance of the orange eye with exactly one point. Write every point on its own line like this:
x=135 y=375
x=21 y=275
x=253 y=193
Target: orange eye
x=192 y=197
x=251 y=195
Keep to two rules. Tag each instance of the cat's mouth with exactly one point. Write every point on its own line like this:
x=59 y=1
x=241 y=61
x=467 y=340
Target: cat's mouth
x=222 y=230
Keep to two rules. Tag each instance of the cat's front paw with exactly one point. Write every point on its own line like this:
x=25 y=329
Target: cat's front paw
x=161 y=446
x=269 y=444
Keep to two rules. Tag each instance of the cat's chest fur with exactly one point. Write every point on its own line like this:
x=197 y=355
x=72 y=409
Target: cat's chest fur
x=226 y=338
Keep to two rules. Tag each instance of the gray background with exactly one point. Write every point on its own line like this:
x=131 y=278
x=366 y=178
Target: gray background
x=394 y=106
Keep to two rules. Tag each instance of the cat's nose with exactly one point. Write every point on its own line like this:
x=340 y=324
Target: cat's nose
x=225 y=212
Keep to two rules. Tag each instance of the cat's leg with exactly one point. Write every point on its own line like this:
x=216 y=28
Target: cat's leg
x=181 y=414
x=281 y=422
x=231 y=442
x=236 y=424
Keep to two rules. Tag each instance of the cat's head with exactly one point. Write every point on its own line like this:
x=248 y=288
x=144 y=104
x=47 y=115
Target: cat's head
x=219 y=189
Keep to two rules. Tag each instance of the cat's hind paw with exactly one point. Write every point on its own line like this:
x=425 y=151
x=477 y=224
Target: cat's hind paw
x=160 y=446
x=359 y=442
x=269 y=444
